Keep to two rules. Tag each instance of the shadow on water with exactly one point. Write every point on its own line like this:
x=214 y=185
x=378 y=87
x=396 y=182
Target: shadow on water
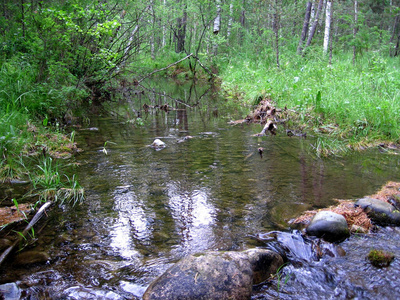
x=208 y=189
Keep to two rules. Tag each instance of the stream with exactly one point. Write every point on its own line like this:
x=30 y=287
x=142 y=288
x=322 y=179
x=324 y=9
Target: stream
x=145 y=209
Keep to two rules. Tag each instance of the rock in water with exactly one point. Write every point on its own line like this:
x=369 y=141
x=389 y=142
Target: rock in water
x=32 y=257
x=10 y=291
x=328 y=225
x=379 y=211
x=215 y=275
x=158 y=144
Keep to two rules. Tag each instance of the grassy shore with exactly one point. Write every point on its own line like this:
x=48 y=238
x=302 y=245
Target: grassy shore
x=346 y=105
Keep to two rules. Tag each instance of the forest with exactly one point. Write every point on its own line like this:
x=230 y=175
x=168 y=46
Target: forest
x=334 y=63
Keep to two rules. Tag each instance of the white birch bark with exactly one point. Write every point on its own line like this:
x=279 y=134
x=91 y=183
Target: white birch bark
x=217 y=20
x=312 y=17
x=163 y=43
x=230 y=21
x=327 y=25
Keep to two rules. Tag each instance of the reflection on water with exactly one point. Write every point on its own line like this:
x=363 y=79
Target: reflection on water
x=194 y=217
x=146 y=209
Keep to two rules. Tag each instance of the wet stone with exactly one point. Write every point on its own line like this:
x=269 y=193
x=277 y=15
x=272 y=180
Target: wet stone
x=379 y=211
x=32 y=257
x=328 y=225
x=81 y=293
x=10 y=291
x=215 y=275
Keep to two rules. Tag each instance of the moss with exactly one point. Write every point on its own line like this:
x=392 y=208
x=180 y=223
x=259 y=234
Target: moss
x=380 y=258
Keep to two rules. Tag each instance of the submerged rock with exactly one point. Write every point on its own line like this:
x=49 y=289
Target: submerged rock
x=215 y=275
x=379 y=211
x=328 y=225
x=32 y=257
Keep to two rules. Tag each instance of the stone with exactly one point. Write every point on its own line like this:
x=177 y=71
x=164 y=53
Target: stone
x=328 y=225
x=215 y=275
x=31 y=257
x=10 y=291
x=380 y=212
x=158 y=144
x=264 y=263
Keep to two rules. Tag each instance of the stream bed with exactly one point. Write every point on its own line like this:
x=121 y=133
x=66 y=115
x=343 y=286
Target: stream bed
x=208 y=189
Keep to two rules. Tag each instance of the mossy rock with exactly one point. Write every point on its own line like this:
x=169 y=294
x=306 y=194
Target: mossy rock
x=380 y=258
x=380 y=212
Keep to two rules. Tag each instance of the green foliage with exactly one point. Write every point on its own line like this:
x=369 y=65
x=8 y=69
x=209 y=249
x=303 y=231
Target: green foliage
x=357 y=102
x=48 y=184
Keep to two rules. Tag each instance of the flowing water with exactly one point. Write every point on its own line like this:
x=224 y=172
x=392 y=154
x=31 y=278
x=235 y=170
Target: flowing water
x=145 y=209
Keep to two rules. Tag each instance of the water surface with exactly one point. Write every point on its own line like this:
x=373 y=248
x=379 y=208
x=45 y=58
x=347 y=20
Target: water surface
x=146 y=209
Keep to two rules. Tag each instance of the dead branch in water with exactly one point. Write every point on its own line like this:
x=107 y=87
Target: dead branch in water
x=162 y=69
x=34 y=220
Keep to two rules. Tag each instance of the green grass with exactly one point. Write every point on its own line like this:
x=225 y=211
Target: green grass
x=358 y=102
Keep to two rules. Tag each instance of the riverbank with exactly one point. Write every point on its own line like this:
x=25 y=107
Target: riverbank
x=347 y=106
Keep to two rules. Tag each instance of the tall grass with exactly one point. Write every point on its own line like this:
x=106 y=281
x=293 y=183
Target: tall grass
x=357 y=102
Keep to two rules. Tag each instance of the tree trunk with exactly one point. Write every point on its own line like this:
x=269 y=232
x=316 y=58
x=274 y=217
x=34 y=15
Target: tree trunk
x=152 y=21
x=327 y=25
x=276 y=31
x=294 y=21
x=355 y=29
x=305 y=27
x=217 y=20
x=396 y=50
x=243 y=16
x=164 y=33
x=230 y=21
x=315 y=24
x=394 y=31
x=181 y=33
x=312 y=16
x=217 y=24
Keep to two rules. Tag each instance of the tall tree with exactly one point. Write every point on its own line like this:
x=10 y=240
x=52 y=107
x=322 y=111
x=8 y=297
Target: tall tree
x=327 y=24
x=355 y=29
x=306 y=24
x=315 y=24
x=276 y=26
x=180 y=32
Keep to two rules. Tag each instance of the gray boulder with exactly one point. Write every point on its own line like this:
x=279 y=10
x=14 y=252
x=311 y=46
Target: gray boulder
x=379 y=211
x=328 y=225
x=215 y=275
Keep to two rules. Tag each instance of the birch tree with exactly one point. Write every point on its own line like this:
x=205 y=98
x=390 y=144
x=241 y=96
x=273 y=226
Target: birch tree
x=327 y=25
x=315 y=24
x=230 y=20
